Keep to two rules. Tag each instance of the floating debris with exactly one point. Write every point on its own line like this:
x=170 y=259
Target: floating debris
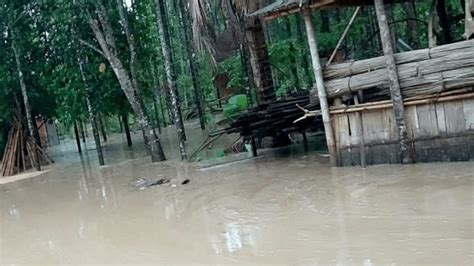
x=143 y=183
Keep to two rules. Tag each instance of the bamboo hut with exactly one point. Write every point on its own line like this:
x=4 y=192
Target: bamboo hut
x=428 y=111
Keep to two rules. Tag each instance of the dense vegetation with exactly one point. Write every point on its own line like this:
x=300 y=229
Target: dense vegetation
x=66 y=65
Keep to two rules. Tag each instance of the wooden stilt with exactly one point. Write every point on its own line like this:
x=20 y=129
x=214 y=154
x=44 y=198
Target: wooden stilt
x=321 y=91
x=406 y=152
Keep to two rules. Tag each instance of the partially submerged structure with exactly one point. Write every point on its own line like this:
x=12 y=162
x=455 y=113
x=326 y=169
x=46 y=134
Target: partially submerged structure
x=429 y=111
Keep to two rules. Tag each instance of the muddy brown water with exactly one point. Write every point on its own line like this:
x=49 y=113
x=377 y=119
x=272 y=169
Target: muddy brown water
x=287 y=208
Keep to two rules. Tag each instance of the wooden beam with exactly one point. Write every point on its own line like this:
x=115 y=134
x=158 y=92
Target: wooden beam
x=321 y=90
x=406 y=152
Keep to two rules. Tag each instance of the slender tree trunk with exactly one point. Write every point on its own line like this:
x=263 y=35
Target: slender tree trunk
x=102 y=128
x=133 y=60
x=126 y=127
x=92 y=117
x=120 y=124
x=398 y=107
x=24 y=93
x=469 y=22
x=409 y=8
x=303 y=55
x=432 y=23
x=108 y=46
x=191 y=52
x=78 y=139
x=83 y=133
x=170 y=75
x=163 y=108
x=444 y=21
x=157 y=116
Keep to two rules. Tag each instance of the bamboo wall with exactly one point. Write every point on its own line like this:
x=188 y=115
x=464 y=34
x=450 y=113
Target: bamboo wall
x=442 y=131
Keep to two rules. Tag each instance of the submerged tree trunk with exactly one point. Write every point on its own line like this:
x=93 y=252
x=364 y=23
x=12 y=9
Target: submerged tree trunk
x=24 y=93
x=90 y=109
x=191 y=52
x=78 y=138
x=83 y=133
x=106 y=40
x=170 y=75
x=126 y=128
x=394 y=83
x=102 y=128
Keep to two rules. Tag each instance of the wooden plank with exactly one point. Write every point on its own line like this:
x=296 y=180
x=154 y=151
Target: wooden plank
x=411 y=119
x=441 y=118
x=455 y=121
x=428 y=122
x=468 y=107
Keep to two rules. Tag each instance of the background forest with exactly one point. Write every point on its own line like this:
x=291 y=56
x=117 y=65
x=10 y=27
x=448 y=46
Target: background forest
x=155 y=61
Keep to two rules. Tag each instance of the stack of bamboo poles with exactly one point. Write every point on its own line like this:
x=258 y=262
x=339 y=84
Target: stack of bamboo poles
x=19 y=152
x=421 y=72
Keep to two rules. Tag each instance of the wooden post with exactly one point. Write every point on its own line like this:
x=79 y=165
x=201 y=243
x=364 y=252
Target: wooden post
x=406 y=153
x=318 y=74
x=363 y=159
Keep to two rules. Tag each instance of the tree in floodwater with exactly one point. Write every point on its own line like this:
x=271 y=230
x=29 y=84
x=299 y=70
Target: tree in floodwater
x=104 y=34
x=170 y=74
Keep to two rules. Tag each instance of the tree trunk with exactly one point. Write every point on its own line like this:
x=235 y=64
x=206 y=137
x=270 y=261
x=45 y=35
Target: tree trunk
x=133 y=60
x=398 y=107
x=409 y=8
x=126 y=127
x=108 y=46
x=120 y=124
x=444 y=21
x=157 y=116
x=170 y=75
x=92 y=117
x=468 y=23
x=432 y=22
x=83 y=133
x=102 y=128
x=303 y=55
x=191 y=52
x=29 y=117
x=78 y=139
x=260 y=61
x=321 y=91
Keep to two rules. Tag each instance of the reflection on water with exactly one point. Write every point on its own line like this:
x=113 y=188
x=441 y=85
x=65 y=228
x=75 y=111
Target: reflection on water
x=287 y=207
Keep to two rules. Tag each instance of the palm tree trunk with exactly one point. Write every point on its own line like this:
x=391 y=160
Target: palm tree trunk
x=170 y=75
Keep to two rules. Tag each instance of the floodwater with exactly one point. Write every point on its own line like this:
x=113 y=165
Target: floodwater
x=287 y=208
